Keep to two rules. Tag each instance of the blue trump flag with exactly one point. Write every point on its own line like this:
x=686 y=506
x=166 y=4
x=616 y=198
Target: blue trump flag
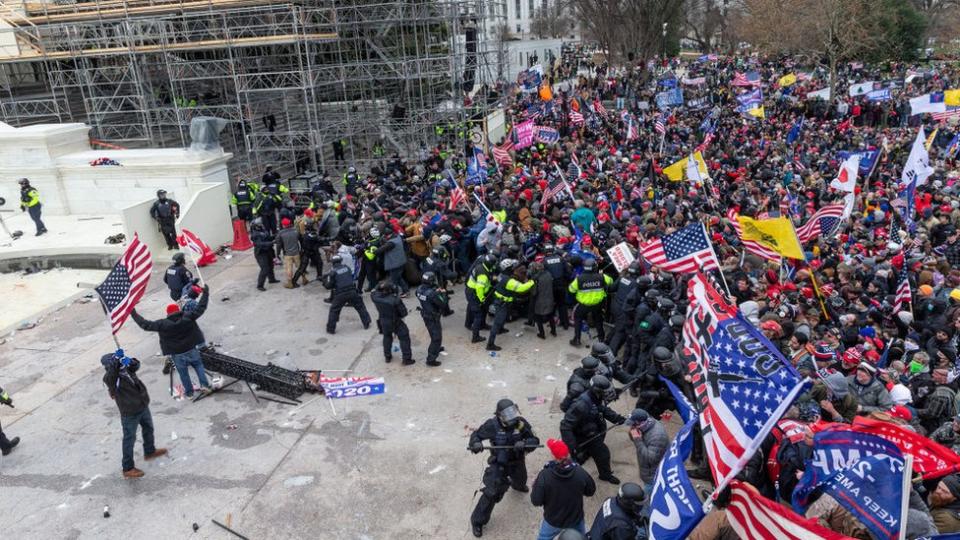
x=868 y=158
x=794 y=133
x=674 y=507
x=684 y=407
x=863 y=472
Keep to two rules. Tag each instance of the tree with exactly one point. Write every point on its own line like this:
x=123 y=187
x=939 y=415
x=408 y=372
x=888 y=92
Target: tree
x=703 y=20
x=631 y=29
x=550 y=21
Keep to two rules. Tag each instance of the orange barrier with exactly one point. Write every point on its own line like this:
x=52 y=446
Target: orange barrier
x=241 y=241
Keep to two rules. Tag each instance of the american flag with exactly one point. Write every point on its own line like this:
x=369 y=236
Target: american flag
x=824 y=222
x=946 y=115
x=573 y=170
x=904 y=296
x=457 y=196
x=706 y=142
x=191 y=241
x=556 y=186
x=576 y=118
x=660 y=126
x=126 y=283
x=755 y=517
x=683 y=251
x=741 y=382
x=599 y=108
x=752 y=246
x=632 y=132
x=501 y=154
x=798 y=164
x=751 y=78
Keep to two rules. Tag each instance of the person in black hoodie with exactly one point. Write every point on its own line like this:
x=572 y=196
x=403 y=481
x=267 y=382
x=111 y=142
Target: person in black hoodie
x=559 y=489
x=263 y=253
x=180 y=337
x=131 y=396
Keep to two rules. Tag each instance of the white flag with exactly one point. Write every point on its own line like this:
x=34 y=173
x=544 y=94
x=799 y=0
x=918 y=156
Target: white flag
x=693 y=170
x=846 y=181
x=917 y=169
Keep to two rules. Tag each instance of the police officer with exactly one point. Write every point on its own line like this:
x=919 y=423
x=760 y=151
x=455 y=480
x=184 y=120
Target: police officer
x=561 y=273
x=368 y=260
x=648 y=324
x=340 y=281
x=585 y=422
x=512 y=283
x=350 y=181
x=440 y=267
x=7 y=445
x=624 y=305
x=590 y=290
x=266 y=206
x=433 y=305
x=391 y=311
x=30 y=202
x=243 y=200
x=177 y=276
x=579 y=380
x=655 y=397
x=479 y=283
x=166 y=211
x=609 y=366
x=263 y=243
x=511 y=438
x=621 y=517
x=309 y=247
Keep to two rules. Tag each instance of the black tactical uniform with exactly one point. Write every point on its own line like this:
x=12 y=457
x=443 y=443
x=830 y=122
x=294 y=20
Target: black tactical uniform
x=585 y=421
x=177 y=276
x=340 y=281
x=243 y=200
x=309 y=253
x=561 y=273
x=263 y=243
x=506 y=466
x=623 y=306
x=433 y=305
x=6 y=445
x=620 y=517
x=166 y=211
x=391 y=312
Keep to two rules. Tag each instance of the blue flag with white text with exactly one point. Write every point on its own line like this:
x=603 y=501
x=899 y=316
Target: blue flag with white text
x=675 y=508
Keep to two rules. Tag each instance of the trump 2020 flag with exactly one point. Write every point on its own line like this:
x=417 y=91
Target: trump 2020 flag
x=742 y=383
x=863 y=472
x=674 y=507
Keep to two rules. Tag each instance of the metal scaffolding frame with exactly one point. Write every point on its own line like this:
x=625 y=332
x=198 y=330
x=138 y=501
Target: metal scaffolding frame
x=289 y=78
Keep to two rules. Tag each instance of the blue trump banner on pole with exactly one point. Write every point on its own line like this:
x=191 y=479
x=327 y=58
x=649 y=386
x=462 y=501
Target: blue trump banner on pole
x=674 y=507
x=863 y=472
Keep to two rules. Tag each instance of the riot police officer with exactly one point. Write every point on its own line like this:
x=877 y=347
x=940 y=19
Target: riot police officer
x=512 y=439
x=177 y=276
x=368 y=260
x=266 y=206
x=166 y=211
x=655 y=397
x=624 y=305
x=433 y=305
x=590 y=289
x=7 y=445
x=479 y=283
x=561 y=273
x=243 y=200
x=585 y=422
x=609 y=366
x=513 y=282
x=30 y=203
x=309 y=247
x=436 y=264
x=621 y=517
x=350 y=181
x=391 y=312
x=340 y=281
x=263 y=243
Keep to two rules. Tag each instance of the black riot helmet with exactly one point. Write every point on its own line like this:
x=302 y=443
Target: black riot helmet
x=386 y=287
x=242 y=184
x=666 y=306
x=631 y=497
x=644 y=282
x=602 y=389
x=336 y=259
x=507 y=413
x=161 y=194
x=179 y=258
x=490 y=262
x=549 y=248
x=575 y=389
x=666 y=363
x=633 y=269
x=652 y=298
x=589 y=265
x=676 y=321
x=429 y=278
x=571 y=534
x=602 y=351
x=589 y=365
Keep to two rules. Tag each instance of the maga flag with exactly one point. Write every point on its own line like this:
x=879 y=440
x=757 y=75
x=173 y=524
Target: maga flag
x=930 y=459
x=777 y=234
x=742 y=383
x=674 y=507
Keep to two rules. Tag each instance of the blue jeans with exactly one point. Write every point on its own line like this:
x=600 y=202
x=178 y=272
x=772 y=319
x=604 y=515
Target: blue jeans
x=549 y=532
x=129 y=424
x=184 y=360
x=396 y=277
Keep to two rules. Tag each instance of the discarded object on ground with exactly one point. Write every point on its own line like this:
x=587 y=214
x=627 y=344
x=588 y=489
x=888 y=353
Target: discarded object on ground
x=118 y=238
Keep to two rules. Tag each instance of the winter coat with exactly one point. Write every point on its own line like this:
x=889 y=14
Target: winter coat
x=947 y=518
x=872 y=397
x=395 y=257
x=650 y=450
x=560 y=490
x=543 y=301
x=125 y=388
x=179 y=332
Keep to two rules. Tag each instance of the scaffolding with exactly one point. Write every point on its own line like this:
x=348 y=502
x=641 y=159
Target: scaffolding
x=290 y=78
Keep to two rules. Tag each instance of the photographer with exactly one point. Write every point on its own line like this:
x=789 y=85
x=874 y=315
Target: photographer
x=131 y=396
x=7 y=445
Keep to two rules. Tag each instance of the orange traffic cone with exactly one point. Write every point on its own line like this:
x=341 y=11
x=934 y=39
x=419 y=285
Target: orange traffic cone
x=241 y=241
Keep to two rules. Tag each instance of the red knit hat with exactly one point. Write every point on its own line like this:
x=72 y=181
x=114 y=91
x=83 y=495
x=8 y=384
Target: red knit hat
x=172 y=308
x=558 y=448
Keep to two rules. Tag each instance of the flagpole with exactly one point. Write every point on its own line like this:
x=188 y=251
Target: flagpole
x=107 y=315
x=193 y=257
x=905 y=488
x=719 y=266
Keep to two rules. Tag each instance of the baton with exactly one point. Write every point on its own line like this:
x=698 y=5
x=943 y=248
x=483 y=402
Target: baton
x=604 y=432
x=511 y=447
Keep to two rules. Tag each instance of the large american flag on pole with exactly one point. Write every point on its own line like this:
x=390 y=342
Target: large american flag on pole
x=752 y=246
x=576 y=118
x=824 y=222
x=755 y=517
x=743 y=385
x=457 y=196
x=126 y=283
x=556 y=186
x=684 y=251
x=501 y=154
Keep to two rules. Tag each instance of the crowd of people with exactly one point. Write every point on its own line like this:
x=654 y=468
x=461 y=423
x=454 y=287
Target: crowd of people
x=528 y=252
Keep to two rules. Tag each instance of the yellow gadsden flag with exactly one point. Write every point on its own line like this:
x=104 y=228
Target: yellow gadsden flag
x=776 y=234
x=951 y=98
x=789 y=79
x=676 y=171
